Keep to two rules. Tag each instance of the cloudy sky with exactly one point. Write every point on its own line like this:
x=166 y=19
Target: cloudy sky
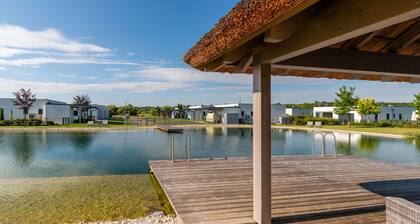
x=132 y=50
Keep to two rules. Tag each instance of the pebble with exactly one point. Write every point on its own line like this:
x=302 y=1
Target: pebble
x=157 y=217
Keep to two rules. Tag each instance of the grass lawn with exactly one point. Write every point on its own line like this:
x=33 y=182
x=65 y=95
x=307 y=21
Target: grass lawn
x=381 y=130
x=76 y=199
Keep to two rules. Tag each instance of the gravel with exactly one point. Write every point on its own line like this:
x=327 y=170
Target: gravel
x=154 y=218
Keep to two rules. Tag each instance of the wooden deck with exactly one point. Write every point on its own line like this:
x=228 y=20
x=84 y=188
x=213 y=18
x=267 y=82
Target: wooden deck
x=304 y=189
x=169 y=129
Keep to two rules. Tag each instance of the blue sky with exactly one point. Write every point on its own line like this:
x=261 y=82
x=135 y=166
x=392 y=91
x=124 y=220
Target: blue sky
x=132 y=50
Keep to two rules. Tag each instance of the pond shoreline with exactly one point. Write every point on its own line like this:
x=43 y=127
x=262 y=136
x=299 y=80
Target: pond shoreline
x=98 y=129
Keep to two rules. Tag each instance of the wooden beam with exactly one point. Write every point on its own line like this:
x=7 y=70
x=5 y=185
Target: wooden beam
x=359 y=42
x=215 y=65
x=405 y=39
x=244 y=63
x=341 y=20
x=285 y=29
x=261 y=141
x=353 y=61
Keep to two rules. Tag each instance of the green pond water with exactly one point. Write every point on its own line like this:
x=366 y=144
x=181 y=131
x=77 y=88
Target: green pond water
x=55 y=154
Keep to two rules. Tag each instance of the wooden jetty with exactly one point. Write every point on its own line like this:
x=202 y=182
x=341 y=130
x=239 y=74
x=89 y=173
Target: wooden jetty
x=169 y=129
x=304 y=189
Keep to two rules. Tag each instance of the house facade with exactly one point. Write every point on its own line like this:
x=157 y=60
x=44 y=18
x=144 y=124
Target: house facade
x=241 y=113
x=299 y=111
x=388 y=113
x=50 y=111
x=197 y=113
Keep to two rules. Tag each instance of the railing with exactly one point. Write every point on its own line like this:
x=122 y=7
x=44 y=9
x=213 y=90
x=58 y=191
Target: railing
x=188 y=146
x=324 y=136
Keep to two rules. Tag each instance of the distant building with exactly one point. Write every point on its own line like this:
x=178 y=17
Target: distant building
x=242 y=113
x=197 y=113
x=299 y=111
x=51 y=111
x=388 y=113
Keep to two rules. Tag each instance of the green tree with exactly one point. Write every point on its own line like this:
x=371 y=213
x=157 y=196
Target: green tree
x=112 y=110
x=416 y=104
x=158 y=111
x=345 y=101
x=1 y=114
x=167 y=111
x=366 y=106
x=180 y=108
x=24 y=100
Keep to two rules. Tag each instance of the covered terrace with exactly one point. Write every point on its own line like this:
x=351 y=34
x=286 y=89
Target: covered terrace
x=338 y=39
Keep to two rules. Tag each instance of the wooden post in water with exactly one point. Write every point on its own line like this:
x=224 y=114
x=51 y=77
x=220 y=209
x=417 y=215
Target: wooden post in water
x=261 y=141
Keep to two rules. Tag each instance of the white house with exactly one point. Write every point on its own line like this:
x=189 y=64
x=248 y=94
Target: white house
x=50 y=111
x=241 y=113
x=299 y=111
x=197 y=113
x=388 y=113
x=43 y=109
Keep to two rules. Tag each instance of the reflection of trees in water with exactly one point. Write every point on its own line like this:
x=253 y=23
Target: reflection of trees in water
x=345 y=148
x=415 y=140
x=368 y=144
x=81 y=140
x=23 y=148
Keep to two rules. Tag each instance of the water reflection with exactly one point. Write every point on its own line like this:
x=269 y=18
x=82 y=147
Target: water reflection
x=128 y=152
x=23 y=149
x=82 y=140
x=369 y=144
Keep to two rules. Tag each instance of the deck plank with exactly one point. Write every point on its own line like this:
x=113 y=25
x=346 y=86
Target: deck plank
x=304 y=189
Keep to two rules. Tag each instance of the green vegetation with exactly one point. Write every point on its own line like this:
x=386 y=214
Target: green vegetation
x=380 y=130
x=131 y=110
x=21 y=122
x=76 y=199
x=302 y=120
x=366 y=106
x=416 y=104
x=164 y=201
x=24 y=100
x=1 y=114
x=345 y=101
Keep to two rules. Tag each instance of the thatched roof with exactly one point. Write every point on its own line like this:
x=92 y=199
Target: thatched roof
x=234 y=28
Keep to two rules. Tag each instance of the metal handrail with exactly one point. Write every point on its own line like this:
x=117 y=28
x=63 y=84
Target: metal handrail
x=335 y=142
x=188 y=147
x=324 y=140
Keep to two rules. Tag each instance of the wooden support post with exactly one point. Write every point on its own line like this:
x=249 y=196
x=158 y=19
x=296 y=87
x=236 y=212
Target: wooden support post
x=262 y=141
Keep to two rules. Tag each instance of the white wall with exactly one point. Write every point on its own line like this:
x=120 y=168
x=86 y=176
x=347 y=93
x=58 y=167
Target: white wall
x=299 y=112
x=277 y=110
x=59 y=114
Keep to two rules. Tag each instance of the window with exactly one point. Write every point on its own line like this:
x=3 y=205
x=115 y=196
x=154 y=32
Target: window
x=76 y=113
x=393 y=116
x=400 y=116
x=252 y=113
x=40 y=111
x=387 y=116
x=242 y=113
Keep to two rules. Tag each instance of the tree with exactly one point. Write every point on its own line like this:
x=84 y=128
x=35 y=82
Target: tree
x=416 y=104
x=366 y=106
x=82 y=102
x=112 y=110
x=158 y=111
x=180 y=108
x=345 y=101
x=24 y=100
x=167 y=111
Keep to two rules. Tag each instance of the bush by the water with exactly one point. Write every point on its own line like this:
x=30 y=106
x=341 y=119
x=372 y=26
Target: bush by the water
x=21 y=122
x=384 y=124
x=302 y=120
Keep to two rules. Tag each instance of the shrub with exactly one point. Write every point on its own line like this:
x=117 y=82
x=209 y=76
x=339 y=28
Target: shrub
x=302 y=120
x=50 y=122
x=1 y=114
x=5 y=123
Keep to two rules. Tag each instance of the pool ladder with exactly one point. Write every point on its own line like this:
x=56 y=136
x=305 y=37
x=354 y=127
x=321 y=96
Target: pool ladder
x=187 y=145
x=324 y=136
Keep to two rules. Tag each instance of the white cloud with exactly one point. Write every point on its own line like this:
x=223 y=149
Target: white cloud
x=2 y=68
x=17 y=37
x=9 y=85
